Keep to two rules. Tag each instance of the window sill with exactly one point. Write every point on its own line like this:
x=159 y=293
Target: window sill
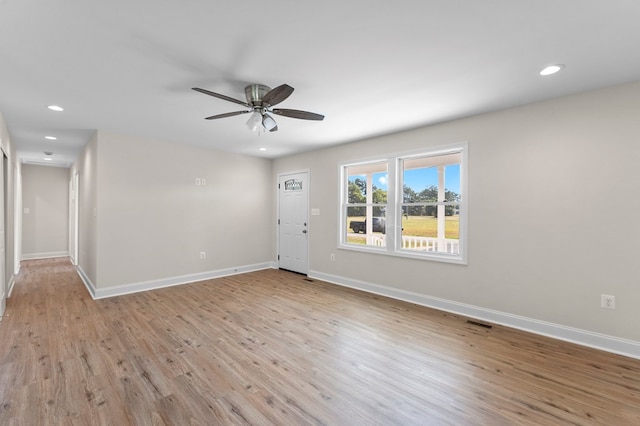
x=407 y=254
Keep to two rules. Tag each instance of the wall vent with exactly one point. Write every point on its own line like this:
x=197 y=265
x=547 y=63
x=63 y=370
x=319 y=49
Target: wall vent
x=479 y=324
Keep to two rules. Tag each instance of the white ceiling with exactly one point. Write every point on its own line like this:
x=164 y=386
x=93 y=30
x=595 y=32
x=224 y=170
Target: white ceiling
x=370 y=67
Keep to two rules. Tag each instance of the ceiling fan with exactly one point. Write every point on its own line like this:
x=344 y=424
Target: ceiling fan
x=260 y=102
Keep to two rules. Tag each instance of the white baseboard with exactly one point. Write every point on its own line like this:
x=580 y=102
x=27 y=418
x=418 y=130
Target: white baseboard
x=101 y=293
x=3 y=299
x=48 y=255
x=91 y=288
x=12 y=282
x=603 y=342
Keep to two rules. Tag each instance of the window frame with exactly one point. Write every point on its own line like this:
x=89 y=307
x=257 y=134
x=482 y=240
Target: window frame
x=395 y=202
x=345 y=205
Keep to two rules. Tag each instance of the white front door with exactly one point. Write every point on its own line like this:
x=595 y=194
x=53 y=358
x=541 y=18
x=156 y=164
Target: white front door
x=293 y=202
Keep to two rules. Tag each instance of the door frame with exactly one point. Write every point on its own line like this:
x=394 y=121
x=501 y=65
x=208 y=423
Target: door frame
x=4 y=294
x=278 y=178
x=73 y=217
x=17 y=220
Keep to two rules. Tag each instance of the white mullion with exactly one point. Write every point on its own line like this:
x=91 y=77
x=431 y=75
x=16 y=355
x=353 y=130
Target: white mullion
x=391 y=212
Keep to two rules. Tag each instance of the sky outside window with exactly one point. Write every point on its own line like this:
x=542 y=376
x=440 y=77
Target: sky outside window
x=419 y=179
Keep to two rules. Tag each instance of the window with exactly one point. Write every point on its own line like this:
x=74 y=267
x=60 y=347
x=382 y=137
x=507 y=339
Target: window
x=406 y=205
x=366 y=204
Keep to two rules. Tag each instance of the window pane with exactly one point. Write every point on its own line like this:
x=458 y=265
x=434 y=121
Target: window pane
x=432 y=233
x=429 y=222
x=419 y=225
x=367 y=177
x=420 y=184
x=356 y=190
x=421 y=178
x=452 y=182
x=356 y=227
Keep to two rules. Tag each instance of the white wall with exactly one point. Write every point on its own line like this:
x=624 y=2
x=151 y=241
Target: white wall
x=553 y=192
x=152 y=221
x=86 y=166
x=45 y=195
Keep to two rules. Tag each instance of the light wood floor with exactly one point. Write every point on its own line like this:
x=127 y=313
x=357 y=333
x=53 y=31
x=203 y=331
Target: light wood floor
x=272 y=347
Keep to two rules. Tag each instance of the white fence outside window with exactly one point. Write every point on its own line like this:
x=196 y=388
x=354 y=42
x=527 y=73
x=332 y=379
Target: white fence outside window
x=428 y=244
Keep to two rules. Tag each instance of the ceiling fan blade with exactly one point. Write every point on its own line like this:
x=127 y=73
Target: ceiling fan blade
x=227 y=114
x=277 y=95
x=295 y=113
x=218 y=95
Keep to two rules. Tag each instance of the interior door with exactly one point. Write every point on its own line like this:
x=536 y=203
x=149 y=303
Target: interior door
x=293 y=237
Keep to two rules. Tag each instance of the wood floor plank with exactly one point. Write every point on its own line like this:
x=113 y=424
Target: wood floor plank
x=272 y=347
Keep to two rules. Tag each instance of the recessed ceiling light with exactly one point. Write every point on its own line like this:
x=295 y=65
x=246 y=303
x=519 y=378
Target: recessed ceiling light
x=262 y=148
x=55 y=108
x=551 y=69
x=51 y=138
x=48 y=159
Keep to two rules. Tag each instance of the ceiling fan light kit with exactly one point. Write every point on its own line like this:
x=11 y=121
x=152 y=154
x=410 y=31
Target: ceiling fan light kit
x=254 y=121
x=260 y=102
x=269 y=123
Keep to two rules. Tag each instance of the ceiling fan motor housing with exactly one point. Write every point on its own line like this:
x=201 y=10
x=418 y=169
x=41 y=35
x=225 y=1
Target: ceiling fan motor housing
x=255 y=93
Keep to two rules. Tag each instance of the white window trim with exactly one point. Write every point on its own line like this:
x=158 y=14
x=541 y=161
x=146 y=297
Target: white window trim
x=394 y=202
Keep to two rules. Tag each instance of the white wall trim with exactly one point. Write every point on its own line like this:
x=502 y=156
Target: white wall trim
x=12 y=282
x=101 y=293
x=603 y=342
x=91 y=288
x=48 y=255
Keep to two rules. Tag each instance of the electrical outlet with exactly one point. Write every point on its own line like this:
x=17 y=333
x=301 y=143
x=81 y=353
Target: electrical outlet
x=607 y=301
x=203 y=255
